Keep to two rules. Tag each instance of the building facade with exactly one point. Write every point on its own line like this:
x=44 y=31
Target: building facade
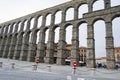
x=117 y=54
x=67 y=52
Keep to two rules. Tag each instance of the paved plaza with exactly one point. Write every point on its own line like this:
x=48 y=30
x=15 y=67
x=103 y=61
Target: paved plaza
x=21 y=70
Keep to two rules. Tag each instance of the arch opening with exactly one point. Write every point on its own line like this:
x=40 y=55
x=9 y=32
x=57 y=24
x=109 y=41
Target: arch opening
x=25 y=25
x=13 y=28
x=68 y=39
x=19 y=26
x=46 y=35
x=9 y=27
x=37 y=40
x=48 y=20
x=116 y=31
x=57 y=34
x=4 y=30
x=0 y=30
x=98 y=5
x=116 y=35
x=70 y=14
x=58 y=17
x=56 y=40
x=82 y=9
x=115 y=3
x=32 y=23
x=83 y=35
x=30 y=37
x=82 y=42
x=69 y=34
x=99 y=36
x=39 y=22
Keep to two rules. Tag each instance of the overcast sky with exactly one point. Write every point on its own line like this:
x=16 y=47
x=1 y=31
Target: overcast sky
x=11 y=9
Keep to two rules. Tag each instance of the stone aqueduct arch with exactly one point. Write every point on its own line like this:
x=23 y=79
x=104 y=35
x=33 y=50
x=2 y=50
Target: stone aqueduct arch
x=15 y=44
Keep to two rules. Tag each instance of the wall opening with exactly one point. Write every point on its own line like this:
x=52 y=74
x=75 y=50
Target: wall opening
x=14 y=27
x=58 y=17
x=70 y=14
x=30 y=37
x=48 y=19
x=98 y=5
x=83 y=9
x=37 y=40
x=67 y=52
x=19 y=26
x=115 y=3
x=25 y=25
x=83 y=35
x=39 y=22
x=0 y=30
x=116 y=31
x=69 y=34
x=32 y=23
x=99 y=36
x=57 y=34
x=9 y=27
x=46 y=35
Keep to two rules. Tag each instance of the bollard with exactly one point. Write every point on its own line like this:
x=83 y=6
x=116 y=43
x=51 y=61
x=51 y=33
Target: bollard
x=69 y=78
x=93 y=72
x=1 y=63
x=80 y=79
x=13 y=65
x=49 y=68
x=34 y=67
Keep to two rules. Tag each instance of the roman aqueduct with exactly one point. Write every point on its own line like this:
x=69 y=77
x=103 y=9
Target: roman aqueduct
x=16 y=43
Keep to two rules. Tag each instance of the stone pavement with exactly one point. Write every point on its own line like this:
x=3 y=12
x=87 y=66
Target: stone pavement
x=21 y=70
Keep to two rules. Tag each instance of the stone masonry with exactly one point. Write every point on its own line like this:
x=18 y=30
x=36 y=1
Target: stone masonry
x=17 y=43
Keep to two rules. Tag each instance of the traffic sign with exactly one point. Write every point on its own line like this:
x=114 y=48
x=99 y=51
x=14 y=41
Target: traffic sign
x=75 y=64
x=37 y=61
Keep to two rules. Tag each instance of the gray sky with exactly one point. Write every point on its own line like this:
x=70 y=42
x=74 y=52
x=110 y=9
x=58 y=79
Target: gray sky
x=11 y=9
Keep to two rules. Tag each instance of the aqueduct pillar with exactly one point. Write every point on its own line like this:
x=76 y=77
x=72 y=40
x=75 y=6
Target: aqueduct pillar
x=109 y=45
x=41 y=46
x=13 y=42
x=61 y=47
x=75 y=44
x=90 y=55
